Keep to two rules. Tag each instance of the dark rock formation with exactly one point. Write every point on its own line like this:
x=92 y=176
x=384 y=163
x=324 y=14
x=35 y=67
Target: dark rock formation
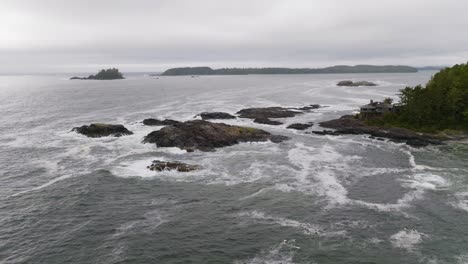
x=206 y=136
x=158 y=165
x=102 y=130
x=109 y=74
x=267 y=121
x=216 y=115
x=350 y=125
x=326 y=132
x=351 y=83
x=299 y=126
x=267 y=112
x=157 y=122
x=309 y=107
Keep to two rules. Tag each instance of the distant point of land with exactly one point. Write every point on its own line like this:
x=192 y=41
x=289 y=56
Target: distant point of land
x=109 y=74
x=327 y=70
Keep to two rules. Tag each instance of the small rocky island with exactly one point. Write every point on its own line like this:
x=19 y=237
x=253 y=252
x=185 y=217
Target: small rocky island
x=263 y=115
x=102 y=130
x=104 y=74
x=207 y=136
x=360 y=83
x=158 y=165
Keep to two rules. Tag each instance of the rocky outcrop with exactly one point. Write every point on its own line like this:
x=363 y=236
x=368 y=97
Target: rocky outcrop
x=309 y=107
x=267 y=121
x=351 y=83
x=350 y=125
x=326 y=132
x=216 y=115
x=104 y=74
x=102 y=130
x=157 y=122
x=300 y=126
x=159 y=165
x=267 y=112
x=207 y=136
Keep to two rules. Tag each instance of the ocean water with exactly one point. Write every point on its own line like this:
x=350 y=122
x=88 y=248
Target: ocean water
x=66 y=198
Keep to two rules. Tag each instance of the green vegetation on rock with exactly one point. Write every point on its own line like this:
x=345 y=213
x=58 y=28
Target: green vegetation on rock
x=109 y=74
x=441 y=104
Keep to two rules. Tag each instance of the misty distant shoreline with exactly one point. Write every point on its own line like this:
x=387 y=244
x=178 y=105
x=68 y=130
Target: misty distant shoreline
x=328 y=70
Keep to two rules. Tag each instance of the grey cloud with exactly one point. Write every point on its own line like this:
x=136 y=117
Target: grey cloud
x=54 y=35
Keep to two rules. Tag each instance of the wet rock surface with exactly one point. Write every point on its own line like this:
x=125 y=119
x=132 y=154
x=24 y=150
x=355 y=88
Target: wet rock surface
x=102 y=130
x=360 y=83
x=157 y=122
x=300 y=126
x=207 y=136
x=267 y=121
x=349 y=125
x=216 y=115
x=309 y=107
x=159 y=165
x=267 y=112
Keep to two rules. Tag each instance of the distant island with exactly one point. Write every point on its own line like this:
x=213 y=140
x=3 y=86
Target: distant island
x=109 y=74
x=327 y=70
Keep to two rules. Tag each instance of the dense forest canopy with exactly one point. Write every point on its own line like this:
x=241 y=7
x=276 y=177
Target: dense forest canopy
x=333 y=69
x=109 y=74
x=442 y=104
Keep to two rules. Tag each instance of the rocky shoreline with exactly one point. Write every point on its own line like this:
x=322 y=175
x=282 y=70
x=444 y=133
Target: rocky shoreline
x=349 y=125
x=203 y=135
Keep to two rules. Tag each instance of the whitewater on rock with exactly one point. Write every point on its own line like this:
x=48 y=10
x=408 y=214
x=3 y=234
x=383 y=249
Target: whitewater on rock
x=173 y=186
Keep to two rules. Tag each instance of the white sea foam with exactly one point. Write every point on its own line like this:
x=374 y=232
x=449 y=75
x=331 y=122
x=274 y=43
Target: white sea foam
x=306 y=228
x=425 y=181
x=60 y=178
x=150 y=221
x=280 y=254
x=462 y=201
x=407 y=239
x=462 y=259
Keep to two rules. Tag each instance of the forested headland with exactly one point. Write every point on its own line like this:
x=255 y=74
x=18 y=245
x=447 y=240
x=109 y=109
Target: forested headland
x=441 y=104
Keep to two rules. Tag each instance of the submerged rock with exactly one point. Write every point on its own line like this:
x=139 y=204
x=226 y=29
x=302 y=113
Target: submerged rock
x=216 y=115
x=102 y=130
x=351 y=83
x=267 y=121
x=267 y=112
x=157 y=122
x=349 y=125
x=206 y=136
x=309 y=107
x=159 y=165
x=326 y=132
x=299 y=126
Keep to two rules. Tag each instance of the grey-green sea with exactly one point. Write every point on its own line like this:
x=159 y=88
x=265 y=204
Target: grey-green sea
x=67 y=198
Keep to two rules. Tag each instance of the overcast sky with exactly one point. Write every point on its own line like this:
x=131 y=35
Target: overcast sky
x=153 y=35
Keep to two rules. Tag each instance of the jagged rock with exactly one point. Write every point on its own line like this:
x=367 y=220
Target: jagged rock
x=216 y=115
x=349 y=125
x=102 y=130
x=267 y=121
x=159 y=165
x=299 y=126
x=309 y=107
x=351 y=83
x=157 y=122
x=267 y=112
x=326 y=132
x=206 y=136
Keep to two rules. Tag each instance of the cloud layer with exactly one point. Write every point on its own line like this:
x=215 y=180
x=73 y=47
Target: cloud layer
x=147 y=35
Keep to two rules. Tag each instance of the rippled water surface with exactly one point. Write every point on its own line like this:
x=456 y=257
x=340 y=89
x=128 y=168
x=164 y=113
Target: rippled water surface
x=66 y=198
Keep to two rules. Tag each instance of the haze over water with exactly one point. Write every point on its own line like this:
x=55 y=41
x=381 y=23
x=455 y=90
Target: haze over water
x=66 y=198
